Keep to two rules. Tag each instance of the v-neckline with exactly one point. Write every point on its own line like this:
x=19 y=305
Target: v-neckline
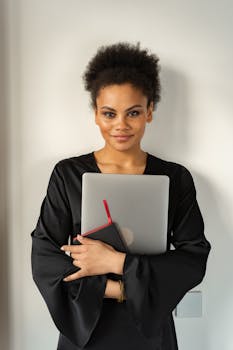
x=99 y=171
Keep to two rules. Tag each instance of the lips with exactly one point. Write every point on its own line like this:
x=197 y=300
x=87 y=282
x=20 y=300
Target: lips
x=122 y=137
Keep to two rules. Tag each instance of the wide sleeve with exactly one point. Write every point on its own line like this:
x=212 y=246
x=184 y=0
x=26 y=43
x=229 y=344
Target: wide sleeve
x=154 y=284
x=75 y=306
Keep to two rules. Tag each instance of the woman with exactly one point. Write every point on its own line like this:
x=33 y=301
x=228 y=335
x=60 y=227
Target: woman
x=90 y=309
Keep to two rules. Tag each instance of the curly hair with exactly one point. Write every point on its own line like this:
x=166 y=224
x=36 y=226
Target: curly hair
x=123 y=63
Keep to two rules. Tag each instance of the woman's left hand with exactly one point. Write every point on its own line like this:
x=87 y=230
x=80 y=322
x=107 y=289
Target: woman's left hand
x=94 y=258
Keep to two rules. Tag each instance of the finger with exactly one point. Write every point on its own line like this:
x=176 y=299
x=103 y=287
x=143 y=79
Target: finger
x=77 y=263
x=73 y=248
x=75 y=256
x=74 y=276
x=79 y=256
x=86 y=240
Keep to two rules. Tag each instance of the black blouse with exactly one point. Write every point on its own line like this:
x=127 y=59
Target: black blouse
x=154 y=284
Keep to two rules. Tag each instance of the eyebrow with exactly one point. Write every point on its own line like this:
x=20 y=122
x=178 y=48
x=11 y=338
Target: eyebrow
x=112 y=109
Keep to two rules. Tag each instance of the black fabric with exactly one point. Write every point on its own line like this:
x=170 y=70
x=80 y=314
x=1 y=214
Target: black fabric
x=153 y=284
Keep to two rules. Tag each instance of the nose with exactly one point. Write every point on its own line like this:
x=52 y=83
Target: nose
x=121 y=123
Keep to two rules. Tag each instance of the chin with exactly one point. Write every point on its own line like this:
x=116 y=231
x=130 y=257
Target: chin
x=122 y=148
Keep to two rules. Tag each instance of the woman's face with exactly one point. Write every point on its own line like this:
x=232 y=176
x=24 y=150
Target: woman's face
x=122 y=111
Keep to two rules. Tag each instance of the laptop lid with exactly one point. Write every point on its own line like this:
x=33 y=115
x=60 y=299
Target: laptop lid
x=138 y=205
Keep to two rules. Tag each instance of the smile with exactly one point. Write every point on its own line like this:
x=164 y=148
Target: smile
x=122 y=138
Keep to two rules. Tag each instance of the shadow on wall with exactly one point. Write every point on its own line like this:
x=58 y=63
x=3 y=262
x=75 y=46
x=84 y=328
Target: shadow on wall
x=169 y=137
x=4 y=302
x=219 y=267
x=169 y=131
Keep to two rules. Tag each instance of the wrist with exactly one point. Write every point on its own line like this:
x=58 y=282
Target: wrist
x=112 y=289
x=115 y=290
x=118 y=262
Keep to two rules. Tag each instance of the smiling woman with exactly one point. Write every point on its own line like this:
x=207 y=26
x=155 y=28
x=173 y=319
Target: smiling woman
x=100 y=298
x=121 y=113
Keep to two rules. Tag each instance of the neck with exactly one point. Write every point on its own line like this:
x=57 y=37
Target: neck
x=128 y=158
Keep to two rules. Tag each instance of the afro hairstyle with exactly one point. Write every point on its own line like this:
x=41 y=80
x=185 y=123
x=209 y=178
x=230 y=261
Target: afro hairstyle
x=123 y=63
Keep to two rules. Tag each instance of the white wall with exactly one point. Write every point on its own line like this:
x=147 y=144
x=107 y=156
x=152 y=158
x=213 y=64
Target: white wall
x=49 y=45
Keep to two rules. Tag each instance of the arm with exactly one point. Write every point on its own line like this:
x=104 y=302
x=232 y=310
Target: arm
x=162 y=280
x=74 y=306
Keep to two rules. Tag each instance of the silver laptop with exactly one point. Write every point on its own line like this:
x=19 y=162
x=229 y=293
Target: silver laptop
x=138 y=204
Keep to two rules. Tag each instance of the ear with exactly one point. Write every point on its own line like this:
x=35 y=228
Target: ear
x=150 y=112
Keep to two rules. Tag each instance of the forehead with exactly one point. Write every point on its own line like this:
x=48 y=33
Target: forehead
x=120 y=95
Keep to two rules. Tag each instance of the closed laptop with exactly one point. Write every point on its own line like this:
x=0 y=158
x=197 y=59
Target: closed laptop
x=138 y=205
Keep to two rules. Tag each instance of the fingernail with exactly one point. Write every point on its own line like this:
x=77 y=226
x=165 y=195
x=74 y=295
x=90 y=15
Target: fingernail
x=80 y=237
x=65 y=279
x=62 y=248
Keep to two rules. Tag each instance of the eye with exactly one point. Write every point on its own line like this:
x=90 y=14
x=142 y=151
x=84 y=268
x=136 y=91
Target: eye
x=108 y=114
x=134 y=113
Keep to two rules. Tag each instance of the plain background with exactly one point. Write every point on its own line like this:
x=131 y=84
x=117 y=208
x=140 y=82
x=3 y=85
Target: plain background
x=45 y=116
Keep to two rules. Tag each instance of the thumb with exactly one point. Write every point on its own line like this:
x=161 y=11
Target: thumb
x=87 y=240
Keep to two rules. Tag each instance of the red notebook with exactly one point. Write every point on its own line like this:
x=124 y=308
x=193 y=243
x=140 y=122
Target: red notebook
x=107 y=233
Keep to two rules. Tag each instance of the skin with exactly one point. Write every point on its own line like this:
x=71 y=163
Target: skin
x=114 y=115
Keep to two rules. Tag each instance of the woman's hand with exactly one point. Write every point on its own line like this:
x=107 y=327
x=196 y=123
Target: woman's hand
x=94 y=258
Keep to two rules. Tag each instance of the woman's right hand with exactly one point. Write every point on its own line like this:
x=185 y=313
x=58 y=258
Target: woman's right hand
x=94 y=258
